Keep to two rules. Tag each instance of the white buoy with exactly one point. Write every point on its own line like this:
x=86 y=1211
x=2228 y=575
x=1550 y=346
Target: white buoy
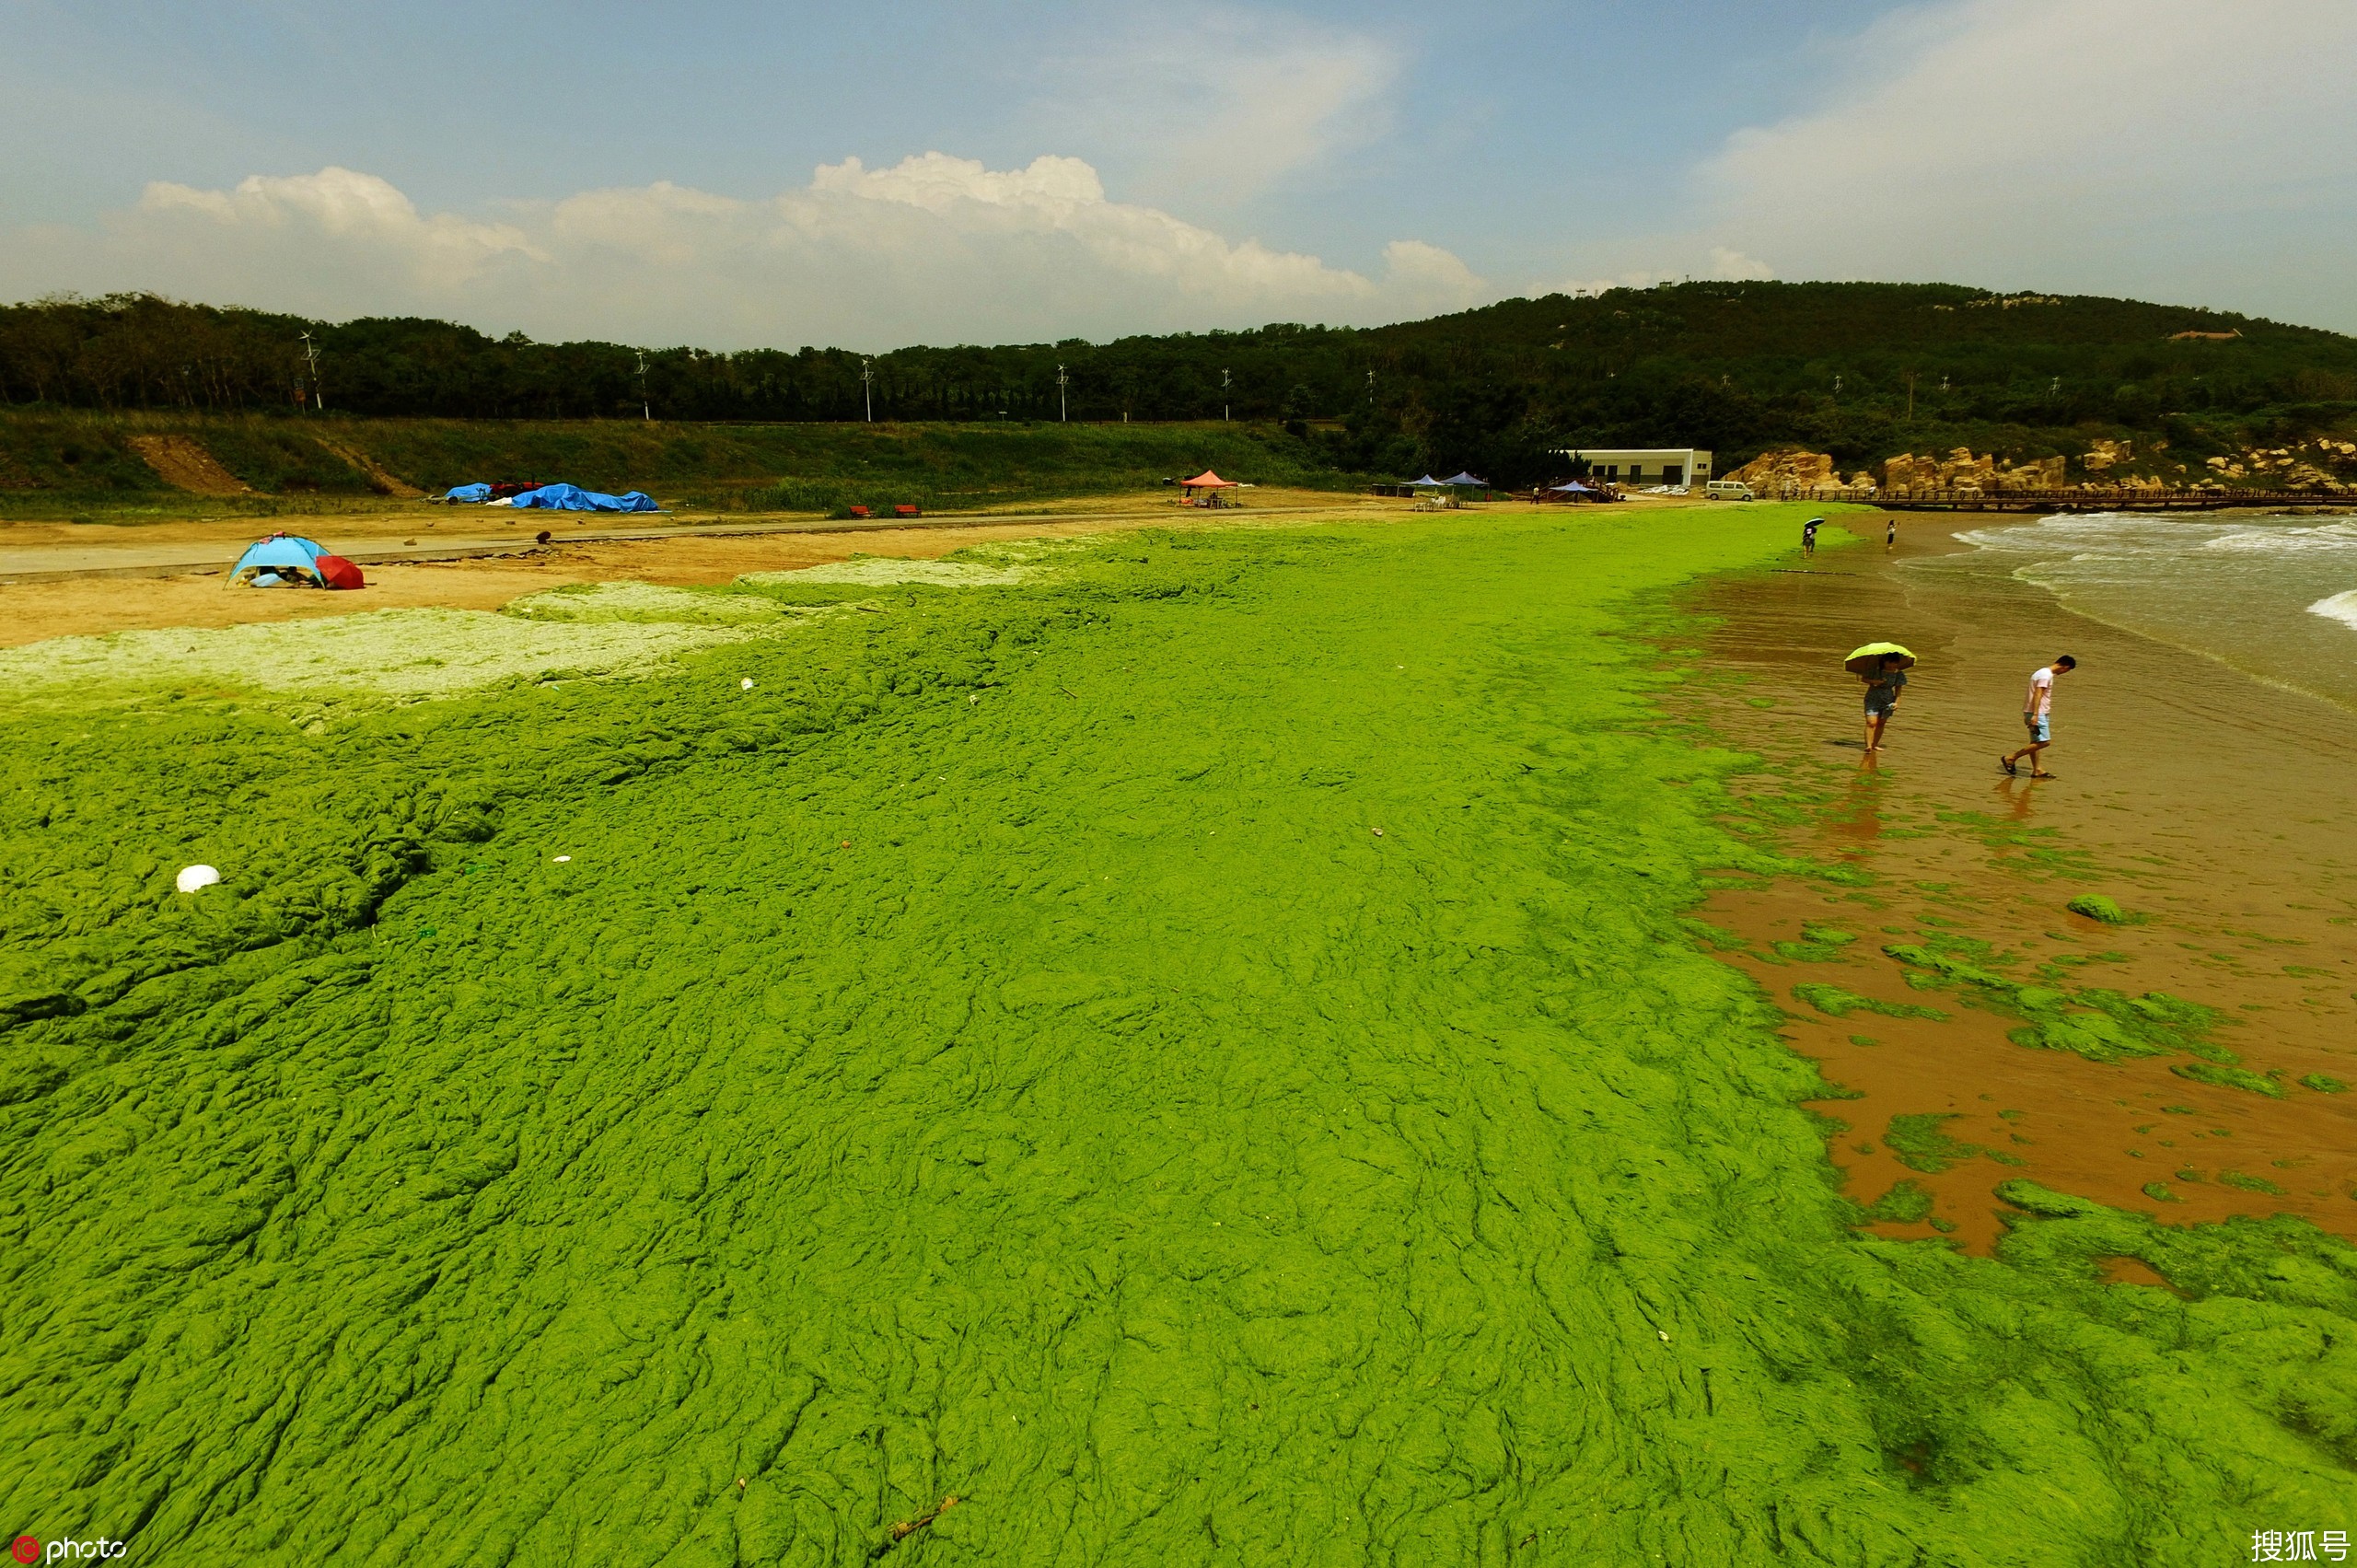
x=563 y=858
x=191 y=877
x=746 y=684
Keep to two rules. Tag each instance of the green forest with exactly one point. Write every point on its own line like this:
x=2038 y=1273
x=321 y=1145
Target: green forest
x=1859 y=370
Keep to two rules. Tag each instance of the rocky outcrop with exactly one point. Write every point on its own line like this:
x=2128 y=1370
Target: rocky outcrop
x=2309 y=466
x=2103 y=455
x=1792 y=472
x=1791 y=468
x=1962 y=470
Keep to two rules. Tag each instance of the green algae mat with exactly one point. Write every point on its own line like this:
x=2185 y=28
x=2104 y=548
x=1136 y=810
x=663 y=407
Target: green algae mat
x=1187 y=1047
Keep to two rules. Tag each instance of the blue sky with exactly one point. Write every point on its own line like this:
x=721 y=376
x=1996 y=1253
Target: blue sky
x=735 y=173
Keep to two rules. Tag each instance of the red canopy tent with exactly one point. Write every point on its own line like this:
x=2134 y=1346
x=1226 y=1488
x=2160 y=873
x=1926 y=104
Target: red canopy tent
x=1207 y=481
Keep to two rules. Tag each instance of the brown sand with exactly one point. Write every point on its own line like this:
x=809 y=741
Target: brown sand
x=2213 y=803
x=31 y=612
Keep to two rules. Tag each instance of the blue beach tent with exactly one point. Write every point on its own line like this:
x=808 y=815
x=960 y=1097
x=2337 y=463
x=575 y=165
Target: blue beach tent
x=278 y=559
x=1465 y=477
x=573 y=498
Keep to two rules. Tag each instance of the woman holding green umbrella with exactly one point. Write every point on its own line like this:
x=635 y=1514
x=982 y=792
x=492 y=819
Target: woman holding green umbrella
x=1883 y=667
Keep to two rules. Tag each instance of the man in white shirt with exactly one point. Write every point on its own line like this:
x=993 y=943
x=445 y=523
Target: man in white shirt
x=2037 y=707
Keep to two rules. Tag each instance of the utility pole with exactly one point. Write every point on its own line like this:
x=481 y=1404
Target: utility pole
x=1370 y=387
x=1223 y=396
x=1911 y=394
x=645 y=406
x=1063 y=410
x=311 y=353
x=867 y=384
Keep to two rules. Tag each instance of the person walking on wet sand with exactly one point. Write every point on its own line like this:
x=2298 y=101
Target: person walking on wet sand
x=1882 y=696
x=2037 y=707
x=1808 y=534
x=1890 y=533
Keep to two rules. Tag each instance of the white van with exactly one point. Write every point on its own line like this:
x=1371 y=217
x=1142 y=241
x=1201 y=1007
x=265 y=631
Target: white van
x=1727 y=490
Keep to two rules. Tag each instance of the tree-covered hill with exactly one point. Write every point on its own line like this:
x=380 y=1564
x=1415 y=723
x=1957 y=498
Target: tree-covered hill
x=1859 y=370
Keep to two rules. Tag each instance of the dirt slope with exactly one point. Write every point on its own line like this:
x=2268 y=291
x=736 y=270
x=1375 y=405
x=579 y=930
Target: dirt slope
x=187 y=466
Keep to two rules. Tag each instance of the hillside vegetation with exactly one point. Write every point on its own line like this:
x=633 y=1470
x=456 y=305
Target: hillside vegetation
x=1861 y=371
x=50 y=461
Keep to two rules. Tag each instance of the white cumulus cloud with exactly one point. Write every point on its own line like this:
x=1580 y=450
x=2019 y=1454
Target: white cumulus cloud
x=2195 y=149
x=933 y=248
x=1220 y=102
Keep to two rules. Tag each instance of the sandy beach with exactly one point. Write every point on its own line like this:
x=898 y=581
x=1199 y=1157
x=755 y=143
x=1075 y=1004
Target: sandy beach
x=477 y=558
x=2210 y=804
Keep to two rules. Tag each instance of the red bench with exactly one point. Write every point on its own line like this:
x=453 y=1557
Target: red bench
x=859 y=511
x=906 y=512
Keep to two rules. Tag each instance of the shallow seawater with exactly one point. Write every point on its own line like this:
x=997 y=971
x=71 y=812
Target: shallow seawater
x=2208 y=804
x=2275 y=598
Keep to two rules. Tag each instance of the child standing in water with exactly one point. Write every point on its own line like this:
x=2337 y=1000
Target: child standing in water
x=1882 y=696
x=1890 y=533
x=1808 y=534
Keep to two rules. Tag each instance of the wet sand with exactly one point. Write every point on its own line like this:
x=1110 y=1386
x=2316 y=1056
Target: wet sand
x=2213 y=805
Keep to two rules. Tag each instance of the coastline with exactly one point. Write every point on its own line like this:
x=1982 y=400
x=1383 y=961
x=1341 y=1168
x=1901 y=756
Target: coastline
x=2208 y=803
x=1211 y=1031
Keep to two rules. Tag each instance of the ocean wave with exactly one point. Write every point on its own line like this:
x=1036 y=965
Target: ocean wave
x=2341 y=607
x=2286 y=541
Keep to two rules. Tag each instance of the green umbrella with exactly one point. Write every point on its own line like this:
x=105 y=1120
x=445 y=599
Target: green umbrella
x=1868 y=659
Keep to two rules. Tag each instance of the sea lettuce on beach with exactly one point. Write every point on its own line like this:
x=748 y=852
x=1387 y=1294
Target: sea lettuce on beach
x=997 y=1054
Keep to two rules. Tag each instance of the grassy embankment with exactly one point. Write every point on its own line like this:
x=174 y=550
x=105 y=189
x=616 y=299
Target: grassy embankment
x=1195 y=1054
x=64 y=464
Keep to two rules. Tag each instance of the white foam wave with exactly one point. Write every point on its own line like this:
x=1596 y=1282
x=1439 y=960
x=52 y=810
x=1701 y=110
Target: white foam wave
x=2285 y=542
x=2341 y=607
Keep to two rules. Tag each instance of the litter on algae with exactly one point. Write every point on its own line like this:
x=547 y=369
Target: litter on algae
x=1059 y=1101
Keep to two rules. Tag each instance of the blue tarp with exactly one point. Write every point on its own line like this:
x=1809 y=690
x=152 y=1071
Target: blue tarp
x=573 y=498
x=468 y=493
x=279 y=551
